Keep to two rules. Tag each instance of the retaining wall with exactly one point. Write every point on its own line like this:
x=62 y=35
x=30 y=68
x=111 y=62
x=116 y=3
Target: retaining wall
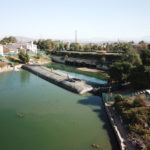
x=114 y=127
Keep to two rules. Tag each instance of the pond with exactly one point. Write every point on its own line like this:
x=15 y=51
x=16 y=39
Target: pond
x=37 y=115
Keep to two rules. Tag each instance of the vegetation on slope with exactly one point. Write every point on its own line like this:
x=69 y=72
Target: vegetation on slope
x=136 y=117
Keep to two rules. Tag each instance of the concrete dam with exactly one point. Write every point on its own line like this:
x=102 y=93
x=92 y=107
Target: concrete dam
x=63 y=80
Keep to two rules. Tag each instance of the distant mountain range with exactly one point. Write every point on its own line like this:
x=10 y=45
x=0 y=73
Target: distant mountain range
x=89 y=40
x=103 y=40
x=25 y=39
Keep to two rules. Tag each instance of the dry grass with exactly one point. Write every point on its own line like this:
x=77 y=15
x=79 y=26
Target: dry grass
x=2 y=64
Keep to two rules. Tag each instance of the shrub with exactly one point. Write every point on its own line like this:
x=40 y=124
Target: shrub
x=136 y=116
x=23 y=56
x=139 y=102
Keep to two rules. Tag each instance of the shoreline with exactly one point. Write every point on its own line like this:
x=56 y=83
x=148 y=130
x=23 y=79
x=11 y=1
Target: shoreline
x=9 y=68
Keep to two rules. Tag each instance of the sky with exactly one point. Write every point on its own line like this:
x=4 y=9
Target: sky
x=58 y=19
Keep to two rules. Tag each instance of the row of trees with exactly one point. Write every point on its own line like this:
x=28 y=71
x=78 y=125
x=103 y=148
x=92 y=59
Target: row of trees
x=50 y=45
x=118 y=47
x=59 y=45
x=6 y=40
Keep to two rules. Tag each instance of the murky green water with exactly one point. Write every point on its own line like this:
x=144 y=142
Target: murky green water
x=54 y=119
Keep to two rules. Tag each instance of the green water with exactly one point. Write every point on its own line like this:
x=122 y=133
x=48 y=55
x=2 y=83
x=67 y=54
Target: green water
x=54 y=119
x=97 y=75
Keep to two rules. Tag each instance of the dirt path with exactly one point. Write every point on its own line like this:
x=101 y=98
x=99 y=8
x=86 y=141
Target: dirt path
x=89 y=70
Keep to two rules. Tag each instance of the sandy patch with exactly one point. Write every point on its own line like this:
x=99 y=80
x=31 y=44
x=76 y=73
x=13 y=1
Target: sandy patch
x=89 y=69
x=43 y=61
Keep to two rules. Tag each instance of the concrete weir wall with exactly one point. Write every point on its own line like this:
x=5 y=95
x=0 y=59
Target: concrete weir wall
x=62 y=80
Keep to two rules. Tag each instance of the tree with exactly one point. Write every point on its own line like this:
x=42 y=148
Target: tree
x=140 y=77
x=61 y=46
x=45 y=44
x=87 y=47
x=23 y=56
x=94 y=47
x=72 y=46
x=120 y=47
x=145 y=56
x=75 y=47
x=120 y=71
x=131 y=56
x=7 y=40
x=142 y=42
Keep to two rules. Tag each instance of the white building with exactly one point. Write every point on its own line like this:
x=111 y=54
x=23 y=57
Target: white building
x=30 y=46
x=15 y=47
x=12 y=48
x=1 y=50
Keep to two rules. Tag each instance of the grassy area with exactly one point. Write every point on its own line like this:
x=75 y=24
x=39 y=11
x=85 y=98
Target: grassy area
x=98 y=75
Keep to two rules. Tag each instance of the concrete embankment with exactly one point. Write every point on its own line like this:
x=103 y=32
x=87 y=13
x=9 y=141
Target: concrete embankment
x=62 y=80
x=119 y=131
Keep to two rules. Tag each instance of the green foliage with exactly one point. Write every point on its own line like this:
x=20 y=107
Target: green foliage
x=118 y=98
x=95 y=47
x=87 y=47
x=120 y=47
x=131 y=56
x=7 y=40
x=145 y=56
x=75 y=47
x=136 y=116
x=140 y=77
x=120 y=71
x=23 y=56
x=45 y=44
x=141 y=42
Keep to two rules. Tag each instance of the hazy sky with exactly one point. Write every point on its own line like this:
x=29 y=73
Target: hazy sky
x=58 y=19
